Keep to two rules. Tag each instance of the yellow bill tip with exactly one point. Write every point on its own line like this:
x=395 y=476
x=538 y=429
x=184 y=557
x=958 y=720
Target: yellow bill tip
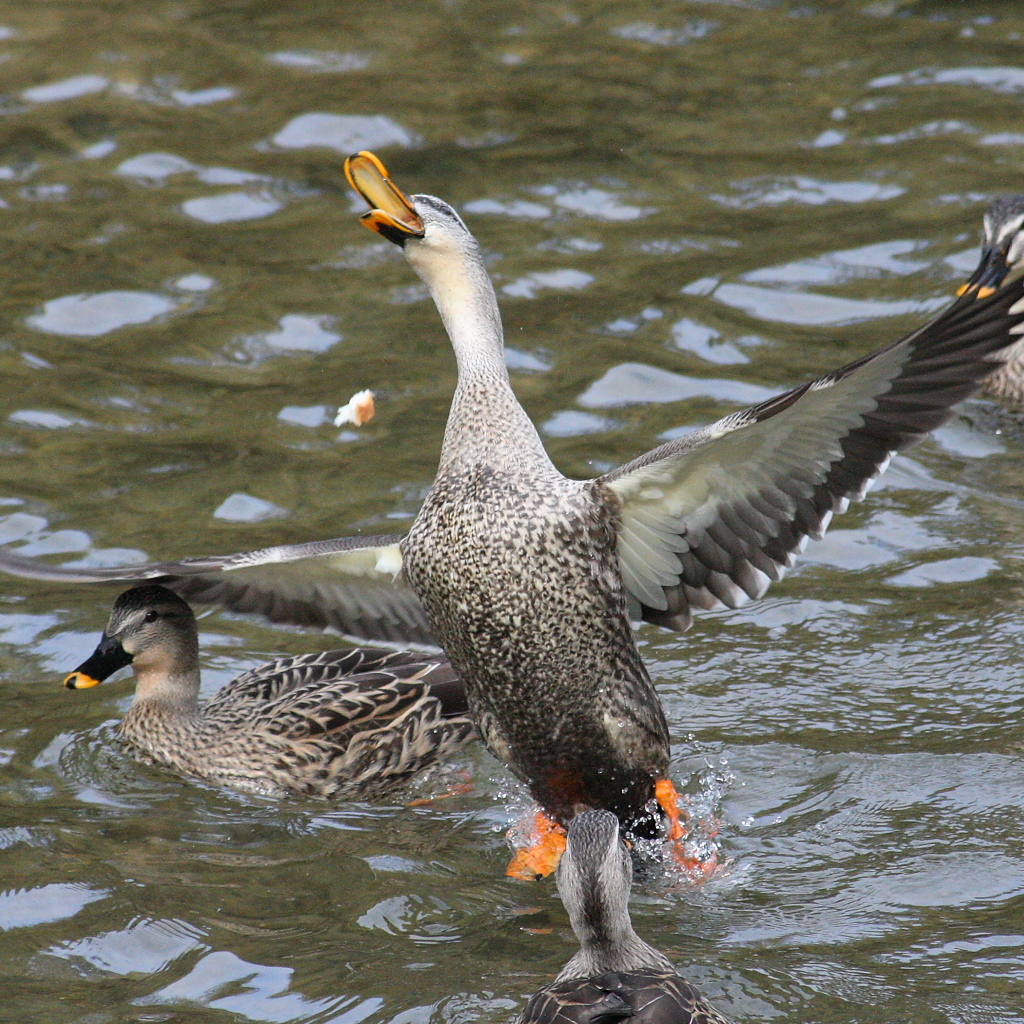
x=80 y=681
x=965 y=288
x=984 y=293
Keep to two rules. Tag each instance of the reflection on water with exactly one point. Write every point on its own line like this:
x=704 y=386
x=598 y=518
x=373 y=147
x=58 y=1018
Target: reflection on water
x=684 y=209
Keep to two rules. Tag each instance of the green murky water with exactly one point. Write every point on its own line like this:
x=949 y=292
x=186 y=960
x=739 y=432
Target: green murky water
x=682 y=205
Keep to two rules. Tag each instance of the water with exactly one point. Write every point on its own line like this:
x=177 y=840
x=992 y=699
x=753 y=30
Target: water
x=684 y=207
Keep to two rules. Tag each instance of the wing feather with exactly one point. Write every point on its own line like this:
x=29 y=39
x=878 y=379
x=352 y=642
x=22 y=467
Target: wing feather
x=734 y=503
x=347 y=584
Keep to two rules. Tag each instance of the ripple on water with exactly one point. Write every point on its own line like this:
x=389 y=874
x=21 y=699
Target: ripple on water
x=345 y=133
x=774 y=191
x=45 y=419
x=231 y=206
x=66 y=89
x=424 y=919
x=320 y=61
x=999 y=79
x=23 y=908
x=833 y=268
x=703 y=341
x=146 y=946
x=155 y=167
x=810 y=309
x=573 y=423
x=304 y=415
x=929 y=130
x=224 y=981
x=164 y=91
x=101 y=558
x=245 y=508
x=598 y=203
x=886 y=538
x=90 y=315
x=647 y=32
x=194 y=283
x=947 y=570
x=566 y=279
x=525 y=362
x=507 y=208
x=632 y=383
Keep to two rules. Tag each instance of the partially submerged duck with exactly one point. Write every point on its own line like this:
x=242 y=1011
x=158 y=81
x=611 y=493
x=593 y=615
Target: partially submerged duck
x=529 y=580
x=344 y=724
x=615 y=976
x=1002 y=245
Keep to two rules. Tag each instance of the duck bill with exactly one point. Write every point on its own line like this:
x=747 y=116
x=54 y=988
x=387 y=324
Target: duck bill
x=392 y=214
x=989 y=275
x=108 y=657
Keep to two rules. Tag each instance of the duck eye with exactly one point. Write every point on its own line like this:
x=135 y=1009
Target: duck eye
x=152 y=616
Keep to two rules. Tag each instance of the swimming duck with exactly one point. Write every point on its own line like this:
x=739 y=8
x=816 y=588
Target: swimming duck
x=1002 y=246
x=615 y=976
x=344 y=724
x=529 y=580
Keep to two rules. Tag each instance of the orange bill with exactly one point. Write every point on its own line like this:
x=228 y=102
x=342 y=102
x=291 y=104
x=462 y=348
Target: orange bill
x=108 y=657
x=79 y=681
x=989 y=275
x=391 y=211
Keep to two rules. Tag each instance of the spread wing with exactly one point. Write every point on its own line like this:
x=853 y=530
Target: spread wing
x=347 y=584
x=712 y=519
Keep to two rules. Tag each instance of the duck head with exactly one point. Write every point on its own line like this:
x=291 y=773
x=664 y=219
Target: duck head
x=443 y=252
x=1002 y=246
x=154 y=631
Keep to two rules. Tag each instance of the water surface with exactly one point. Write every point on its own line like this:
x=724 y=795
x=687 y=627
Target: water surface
x=684 y=207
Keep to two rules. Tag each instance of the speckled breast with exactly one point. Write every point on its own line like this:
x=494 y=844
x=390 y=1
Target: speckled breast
x=520 y=583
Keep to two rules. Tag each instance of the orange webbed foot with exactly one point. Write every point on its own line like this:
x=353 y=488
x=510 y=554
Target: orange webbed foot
x=540 y=859
x=668 y=799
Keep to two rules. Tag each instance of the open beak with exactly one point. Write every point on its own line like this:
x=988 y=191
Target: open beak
x=989 y=275
x=108 y=657
x=392 y=214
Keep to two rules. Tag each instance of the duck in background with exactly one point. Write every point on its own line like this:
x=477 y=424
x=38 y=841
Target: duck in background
x=615 y=976
x=1002 y=247
x=342 y=724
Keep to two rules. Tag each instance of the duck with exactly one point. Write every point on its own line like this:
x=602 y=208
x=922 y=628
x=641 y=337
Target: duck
x=1002 y=245
x=616 y=975
x=344 y=724
x=531 y=581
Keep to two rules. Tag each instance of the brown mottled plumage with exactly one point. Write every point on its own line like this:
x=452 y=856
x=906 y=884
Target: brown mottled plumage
x=615 y=976
x=343 y=724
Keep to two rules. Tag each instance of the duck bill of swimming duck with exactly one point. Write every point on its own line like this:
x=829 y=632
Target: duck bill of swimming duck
x=108 y=657
x=991 y=271
x=392 y=214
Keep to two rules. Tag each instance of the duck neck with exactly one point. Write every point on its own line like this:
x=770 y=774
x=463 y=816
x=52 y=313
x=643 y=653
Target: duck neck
x=167 y=684
x=608 y=942
x=486 y=422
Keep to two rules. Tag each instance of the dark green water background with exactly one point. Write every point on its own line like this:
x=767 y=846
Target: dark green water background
x=682 y=204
